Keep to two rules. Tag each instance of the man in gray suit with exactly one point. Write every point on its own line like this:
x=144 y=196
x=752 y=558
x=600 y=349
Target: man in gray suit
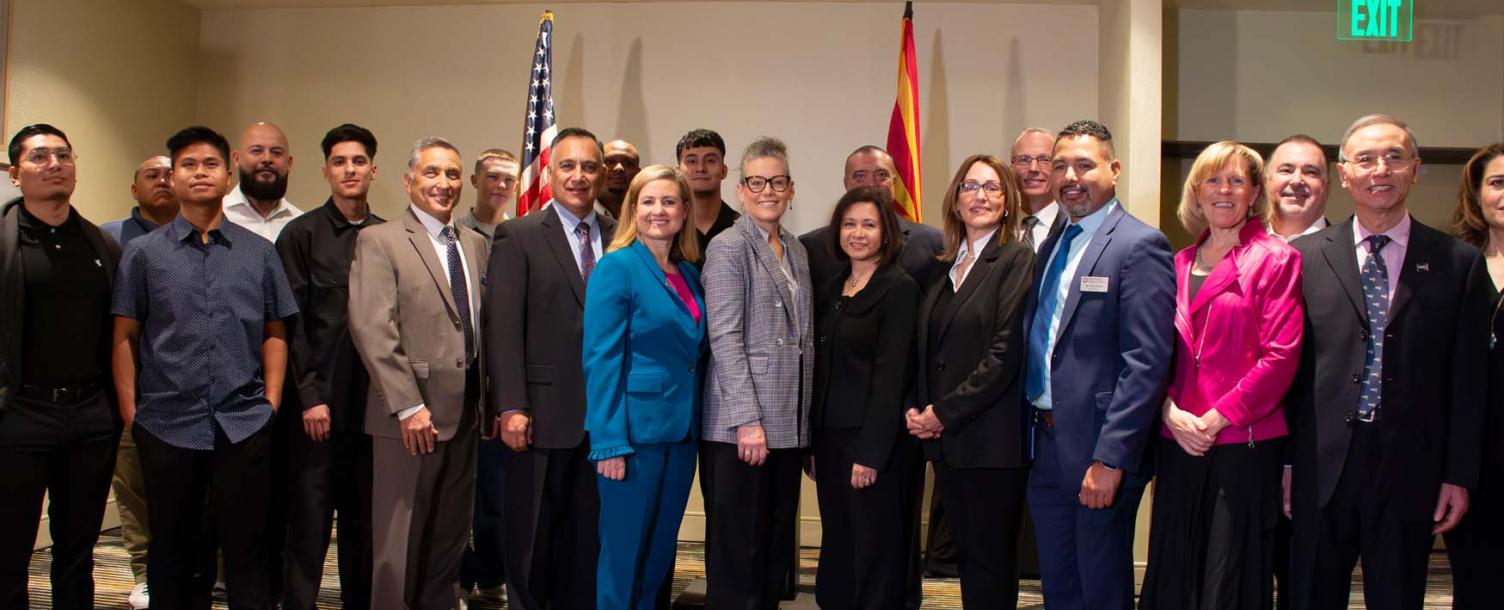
x=415 y=295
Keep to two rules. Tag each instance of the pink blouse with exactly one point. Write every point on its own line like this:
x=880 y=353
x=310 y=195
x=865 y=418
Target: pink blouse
x=682 y=287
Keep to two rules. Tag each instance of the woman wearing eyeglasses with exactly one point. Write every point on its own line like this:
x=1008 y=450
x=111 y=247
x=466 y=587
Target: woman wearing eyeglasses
x=970 y=384
x=756 y=422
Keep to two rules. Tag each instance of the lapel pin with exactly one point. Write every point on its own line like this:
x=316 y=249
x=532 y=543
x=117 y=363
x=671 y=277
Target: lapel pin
x=1422 y=267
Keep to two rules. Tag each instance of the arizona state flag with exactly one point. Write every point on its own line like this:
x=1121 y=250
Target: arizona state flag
x=903 y=127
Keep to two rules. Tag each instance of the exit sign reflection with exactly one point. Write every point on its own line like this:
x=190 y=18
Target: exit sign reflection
x=1376 y=20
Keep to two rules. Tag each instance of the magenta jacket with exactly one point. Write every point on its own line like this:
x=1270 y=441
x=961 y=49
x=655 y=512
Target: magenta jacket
x=1238 y=343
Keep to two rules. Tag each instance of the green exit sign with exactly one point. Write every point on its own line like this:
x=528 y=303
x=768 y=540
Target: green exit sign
x=1376 y=20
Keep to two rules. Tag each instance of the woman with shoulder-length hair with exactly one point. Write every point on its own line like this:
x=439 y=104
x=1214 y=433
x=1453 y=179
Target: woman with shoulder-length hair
x=1239 y=319
x=864 y=321
x=1477 y=543
x=758 y=294
x=971 y=354
x=644 y=334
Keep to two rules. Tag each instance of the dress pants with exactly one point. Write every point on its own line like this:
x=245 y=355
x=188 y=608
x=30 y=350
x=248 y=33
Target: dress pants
x=1361 y=521
x=909 y=465
x=864 y=542
x=420 y=518
x=940 y=549
x=326 y=479
x=639 y=527
x=67 y=452
x=482 y=566
x=235 y=478
x=1085 y=555
x=751 y=514
x=985 y=506
x=1476 y=545
x=552 y=539
x=130 y=499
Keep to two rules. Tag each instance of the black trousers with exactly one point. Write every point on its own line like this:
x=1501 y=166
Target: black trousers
x=985 y=507
x=909 y=465
x=1476 y=546
x=325 y=479
x=864 y=535
x=67 y=452
x=552 y=538
x=235 y=477
x=940 y=549
x=1360 y=521
x=483 y=563
x=751 y=515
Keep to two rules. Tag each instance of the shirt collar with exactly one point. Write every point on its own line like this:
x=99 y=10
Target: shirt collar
x=32 y=223
x=1321 y=223
x=145 y=224
x=1047 y=214
x=978 y=245
x=430 y=224
x=1399 y=234
x=571 y=221
x=489 y=226
x=237 y=198
x=1094 y=220
x=764 y=234
x=338 y=218
x=182 y=230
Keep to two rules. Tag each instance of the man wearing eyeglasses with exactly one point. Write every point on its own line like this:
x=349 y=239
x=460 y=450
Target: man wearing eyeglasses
x=495 y=182
x=1030 y=159
x=58 y=427
x=1386 y=412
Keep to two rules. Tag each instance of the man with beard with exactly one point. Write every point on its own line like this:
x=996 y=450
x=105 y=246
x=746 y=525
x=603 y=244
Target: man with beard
x=702 y=157
x=259 y=201
x=415 y=297
x=495 y=182
x=156 y=205
x=1296 y=181
x=540 y=267
x=330 y=461
x=622 y=165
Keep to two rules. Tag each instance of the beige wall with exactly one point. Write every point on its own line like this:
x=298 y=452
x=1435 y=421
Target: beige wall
x=117 y=77
x=819 y=75
x=1130 y=97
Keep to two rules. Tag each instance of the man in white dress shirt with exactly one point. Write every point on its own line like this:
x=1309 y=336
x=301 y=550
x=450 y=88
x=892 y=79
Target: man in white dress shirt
x=1030 y=160
x=259 y=203
x=1296 y=180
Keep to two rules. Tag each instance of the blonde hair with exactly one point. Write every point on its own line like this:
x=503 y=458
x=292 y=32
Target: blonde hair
x=686 y=246
x=1212 y=160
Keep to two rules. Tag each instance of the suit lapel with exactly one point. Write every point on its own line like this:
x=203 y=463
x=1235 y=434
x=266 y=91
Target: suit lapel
x=1222 y=276
x=553 y=233
x=975 y=277
x=770 y=265
x=1418 y=257
x=1094 y=250
x=1341 y=256
x=417 y=235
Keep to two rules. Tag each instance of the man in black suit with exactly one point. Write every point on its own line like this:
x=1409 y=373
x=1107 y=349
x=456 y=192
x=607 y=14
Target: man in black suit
x=1387 y=408
x=539 y=268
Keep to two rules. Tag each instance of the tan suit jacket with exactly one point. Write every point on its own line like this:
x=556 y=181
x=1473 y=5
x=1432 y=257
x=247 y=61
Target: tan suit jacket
x=406 y=327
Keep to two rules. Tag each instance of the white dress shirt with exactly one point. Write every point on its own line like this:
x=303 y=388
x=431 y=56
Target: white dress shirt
x=239 y=211
x=435 y=230
x=958 y=275
x=1089 y=226
x=1320 y=224
x=1041 y=230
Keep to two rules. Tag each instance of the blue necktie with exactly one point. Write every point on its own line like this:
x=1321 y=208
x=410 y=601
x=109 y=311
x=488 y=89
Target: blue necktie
x=459 y=288
x=587 y=251
x=1375 y=277
x=1039 y=327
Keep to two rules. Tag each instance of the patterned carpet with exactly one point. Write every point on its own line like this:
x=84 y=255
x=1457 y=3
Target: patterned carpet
x=113 y=580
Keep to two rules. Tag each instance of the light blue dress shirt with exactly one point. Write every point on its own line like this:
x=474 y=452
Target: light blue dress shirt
x=570 y=222
x=1089 y=226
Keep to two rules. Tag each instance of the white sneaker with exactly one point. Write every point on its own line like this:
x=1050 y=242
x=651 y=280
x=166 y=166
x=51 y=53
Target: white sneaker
x=140 y=599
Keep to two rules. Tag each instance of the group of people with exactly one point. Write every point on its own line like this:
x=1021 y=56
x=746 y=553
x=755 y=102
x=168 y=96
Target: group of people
x=482 y=399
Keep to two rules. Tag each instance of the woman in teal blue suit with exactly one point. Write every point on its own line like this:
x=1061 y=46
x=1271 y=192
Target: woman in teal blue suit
x=644 y=333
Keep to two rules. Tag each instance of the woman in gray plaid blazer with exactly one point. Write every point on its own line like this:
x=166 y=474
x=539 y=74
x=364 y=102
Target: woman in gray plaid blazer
x=756 y=412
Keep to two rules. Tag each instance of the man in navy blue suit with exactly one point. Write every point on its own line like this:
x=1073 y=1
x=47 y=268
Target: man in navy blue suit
x=1100 y=332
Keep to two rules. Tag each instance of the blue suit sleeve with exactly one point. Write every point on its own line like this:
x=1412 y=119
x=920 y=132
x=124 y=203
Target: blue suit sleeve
x=608 y=312
x=1146 y=333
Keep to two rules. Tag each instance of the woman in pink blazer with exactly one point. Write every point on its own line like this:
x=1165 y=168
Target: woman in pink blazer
x=1239 y=319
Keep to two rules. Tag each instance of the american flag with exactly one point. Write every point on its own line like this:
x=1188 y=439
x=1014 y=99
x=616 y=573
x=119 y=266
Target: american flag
x=539 y=133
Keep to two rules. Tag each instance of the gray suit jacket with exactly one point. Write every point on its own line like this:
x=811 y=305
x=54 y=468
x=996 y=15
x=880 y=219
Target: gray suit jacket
x=761 y=343
x=405 y=325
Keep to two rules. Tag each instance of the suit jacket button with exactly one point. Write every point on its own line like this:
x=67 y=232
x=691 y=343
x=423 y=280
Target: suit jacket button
x=779 y=343
x=778 y=303
x=691 y=368
x=1357 y=378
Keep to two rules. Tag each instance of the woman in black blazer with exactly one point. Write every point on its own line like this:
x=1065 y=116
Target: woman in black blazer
x=864 y=320
x=970 y=381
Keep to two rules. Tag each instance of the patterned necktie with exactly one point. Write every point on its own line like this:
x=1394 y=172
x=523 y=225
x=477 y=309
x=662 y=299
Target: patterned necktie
x=459 y=288
x=1029 y=223
x=587 y=254
x=1375 y=277
x=1039 y=328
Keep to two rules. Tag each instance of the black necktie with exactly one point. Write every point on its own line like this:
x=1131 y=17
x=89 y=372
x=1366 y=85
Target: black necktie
x=459 y=288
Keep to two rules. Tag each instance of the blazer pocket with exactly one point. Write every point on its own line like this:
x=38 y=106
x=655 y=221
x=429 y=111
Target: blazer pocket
x=644 y=383
x=420 y=368
x=758 y=364
x=540 y=373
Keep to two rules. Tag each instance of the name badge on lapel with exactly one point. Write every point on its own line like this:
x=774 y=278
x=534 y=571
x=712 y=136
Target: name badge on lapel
x=1091 y=283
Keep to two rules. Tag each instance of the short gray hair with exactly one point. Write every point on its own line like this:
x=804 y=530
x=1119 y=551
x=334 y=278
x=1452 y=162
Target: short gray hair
x=765 y=147
x=426 y=143
x=1378 y=119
